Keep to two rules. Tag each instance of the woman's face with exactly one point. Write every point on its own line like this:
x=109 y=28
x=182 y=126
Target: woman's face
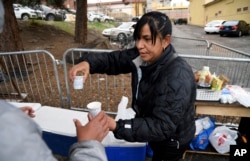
x=150 y=52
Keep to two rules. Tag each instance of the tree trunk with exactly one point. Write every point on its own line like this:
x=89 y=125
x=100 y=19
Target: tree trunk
x=81 y=24
x=10 y=39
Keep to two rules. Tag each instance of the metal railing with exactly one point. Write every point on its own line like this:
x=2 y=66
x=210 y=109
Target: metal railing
x=36 y=76
x=30 y=76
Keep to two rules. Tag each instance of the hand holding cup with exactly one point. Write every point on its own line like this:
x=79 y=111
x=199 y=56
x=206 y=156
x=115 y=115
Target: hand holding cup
x=94 y=108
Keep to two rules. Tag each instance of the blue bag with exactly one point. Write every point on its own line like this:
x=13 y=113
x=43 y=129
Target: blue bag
x=201 y=141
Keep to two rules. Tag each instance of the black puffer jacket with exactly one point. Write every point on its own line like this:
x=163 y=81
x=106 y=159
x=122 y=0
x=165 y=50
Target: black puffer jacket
x=164 y=102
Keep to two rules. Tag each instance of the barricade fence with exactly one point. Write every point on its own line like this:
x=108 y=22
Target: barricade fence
x=36 y=76
x=104 y=88
x=190 y=46
x=30 y=76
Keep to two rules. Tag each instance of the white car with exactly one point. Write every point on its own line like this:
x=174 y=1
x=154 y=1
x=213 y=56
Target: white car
x=106 y=18
x=24 y=13
x=123 y=32
x=213 y=26
x=106 y=32
x=93 y=17
x=50 y=14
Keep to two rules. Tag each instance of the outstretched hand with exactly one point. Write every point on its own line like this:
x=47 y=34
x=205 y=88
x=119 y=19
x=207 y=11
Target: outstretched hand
x=82 y=67
x=29 y=111
x=95 y=129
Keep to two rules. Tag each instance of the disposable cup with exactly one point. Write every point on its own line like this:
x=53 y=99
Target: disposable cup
x=78 y=82
x=94 y=107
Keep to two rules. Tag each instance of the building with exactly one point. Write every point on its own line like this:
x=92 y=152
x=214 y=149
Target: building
x=203 y=11
x=175 y=9
x=118 y=8
x=126 y=9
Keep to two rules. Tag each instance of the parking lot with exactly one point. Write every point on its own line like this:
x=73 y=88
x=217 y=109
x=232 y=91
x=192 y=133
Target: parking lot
x=191 y=31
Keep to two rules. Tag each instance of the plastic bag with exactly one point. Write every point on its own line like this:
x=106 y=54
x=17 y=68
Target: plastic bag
x=241 y=95
x=222 y=137
x=124 y=112
x=204 y=127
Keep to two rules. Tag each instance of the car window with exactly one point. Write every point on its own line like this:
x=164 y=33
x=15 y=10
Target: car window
x=231 y=23
x=124 y=26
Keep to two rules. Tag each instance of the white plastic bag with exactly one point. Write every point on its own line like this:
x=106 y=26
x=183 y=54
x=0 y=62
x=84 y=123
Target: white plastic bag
x=241 y=95
x=221 y=138
x=124 y=112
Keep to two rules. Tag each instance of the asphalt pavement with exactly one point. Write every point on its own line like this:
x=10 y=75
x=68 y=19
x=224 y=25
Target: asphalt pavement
x=197 y=32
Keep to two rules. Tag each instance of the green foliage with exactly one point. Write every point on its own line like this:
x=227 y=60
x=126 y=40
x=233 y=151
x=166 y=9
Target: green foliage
x=100 y=25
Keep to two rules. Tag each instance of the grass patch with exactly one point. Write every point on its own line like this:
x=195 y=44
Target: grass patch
x=100 y=26
x=69 y=27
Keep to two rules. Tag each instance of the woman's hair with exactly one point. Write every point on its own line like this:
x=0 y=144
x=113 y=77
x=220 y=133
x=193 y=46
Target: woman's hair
x=159 y=24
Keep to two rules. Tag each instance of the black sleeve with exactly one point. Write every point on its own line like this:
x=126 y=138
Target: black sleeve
x=111 y=63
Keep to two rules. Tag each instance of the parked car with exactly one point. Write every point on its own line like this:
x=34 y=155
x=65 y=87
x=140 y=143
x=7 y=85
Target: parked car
x=180 y=21
x=106 y=18
x=93 y=17
x=213 y=26
x=51 y=14
x=24 y=13
x=234 y=27
x=106 y=32
x=70 y=14
x=123 y=32
x=135 y=19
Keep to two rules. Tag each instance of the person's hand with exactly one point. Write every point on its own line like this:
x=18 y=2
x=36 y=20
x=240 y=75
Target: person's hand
x=29 y=111
x=112 y=123
x=95 y=129
x=82 y=67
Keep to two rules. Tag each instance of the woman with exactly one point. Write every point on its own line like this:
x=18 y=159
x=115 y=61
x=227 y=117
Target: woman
x=163 y=88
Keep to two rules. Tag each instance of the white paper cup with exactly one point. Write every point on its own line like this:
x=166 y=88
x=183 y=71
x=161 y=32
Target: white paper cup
x=94 y=107
x=78 y=82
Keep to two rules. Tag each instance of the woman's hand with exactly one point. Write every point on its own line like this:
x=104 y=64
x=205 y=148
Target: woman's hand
x=29 y=111
x=96 y=129
x=112 y=123
x=82 y=67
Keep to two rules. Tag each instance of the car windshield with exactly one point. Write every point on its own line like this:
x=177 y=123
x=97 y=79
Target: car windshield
x=231 y=23
x=214 y=22
x=124 y=26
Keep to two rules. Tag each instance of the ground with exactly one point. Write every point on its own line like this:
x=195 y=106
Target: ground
x=56 y=41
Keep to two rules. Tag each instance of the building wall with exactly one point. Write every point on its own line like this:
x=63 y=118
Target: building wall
x=70 y=4
x=228 y=10
x=173 y=10
x=119 y=10
x=196 y=12
x=219 y=9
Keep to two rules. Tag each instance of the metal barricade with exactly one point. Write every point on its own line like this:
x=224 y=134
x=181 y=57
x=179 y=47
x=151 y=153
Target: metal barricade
x=190 y=46
x=110 y=89
x=30 y=76
x=236 y=69
x=42 y=78
x=104 y=88
x=219 y=50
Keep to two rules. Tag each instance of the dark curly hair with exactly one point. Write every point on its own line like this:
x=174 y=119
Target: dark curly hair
x=158 y=22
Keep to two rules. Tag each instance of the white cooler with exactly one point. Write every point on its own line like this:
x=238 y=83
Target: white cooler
x=59 y=133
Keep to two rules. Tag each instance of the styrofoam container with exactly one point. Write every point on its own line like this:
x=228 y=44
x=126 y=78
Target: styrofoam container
x=59 y=133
